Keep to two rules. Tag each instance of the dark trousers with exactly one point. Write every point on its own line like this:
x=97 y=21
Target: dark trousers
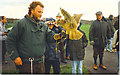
x=62 y=51
x=96 y=52
x=55 y=64
x=38 y=68
x=3 y=50
x=67 y=52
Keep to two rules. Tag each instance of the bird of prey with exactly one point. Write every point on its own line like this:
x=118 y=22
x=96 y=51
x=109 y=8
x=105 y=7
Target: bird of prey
x=70 y=24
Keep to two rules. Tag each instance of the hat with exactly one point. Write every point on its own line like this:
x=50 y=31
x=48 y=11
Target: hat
x=58 y=15
x=50 y=19
x=99 y=13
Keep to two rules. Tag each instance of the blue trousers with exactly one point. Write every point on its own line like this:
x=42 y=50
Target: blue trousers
x=74 y=66
x=110 y=45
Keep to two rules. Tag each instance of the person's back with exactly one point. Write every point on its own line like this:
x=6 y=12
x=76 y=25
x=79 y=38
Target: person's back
x=116 y=25
x=110 y=24
x=76 y=49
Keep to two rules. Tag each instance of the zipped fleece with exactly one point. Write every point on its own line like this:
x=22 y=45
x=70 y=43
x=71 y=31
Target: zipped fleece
x=26 y=39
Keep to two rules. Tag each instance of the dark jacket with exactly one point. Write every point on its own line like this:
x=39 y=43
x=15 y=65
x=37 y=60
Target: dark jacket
x=99 y=32
x=76 y=48
x=50 y=53
x=26 y=40
x=110 y=24
x=116 y=25
x=117 y=41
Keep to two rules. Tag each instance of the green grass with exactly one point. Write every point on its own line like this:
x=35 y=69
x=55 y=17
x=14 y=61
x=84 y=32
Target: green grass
x=64 y=69
x=10 y=71
x=67 y=69
x=85 y=28
x=8 y=25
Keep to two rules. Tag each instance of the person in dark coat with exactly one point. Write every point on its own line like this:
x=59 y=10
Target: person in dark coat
x=62 y=43
x=76 y=49
x=104 y=19
x=27 y=40
x=51 y=57
x=116 y=24
x=110 y=24
x=99 y=32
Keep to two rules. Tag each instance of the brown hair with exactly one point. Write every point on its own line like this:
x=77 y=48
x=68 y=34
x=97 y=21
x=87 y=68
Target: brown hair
x=33 y=6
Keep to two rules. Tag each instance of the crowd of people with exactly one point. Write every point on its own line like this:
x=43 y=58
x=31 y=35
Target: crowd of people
x=36 y=44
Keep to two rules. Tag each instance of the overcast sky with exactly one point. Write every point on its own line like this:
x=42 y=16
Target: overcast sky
x=18 y=8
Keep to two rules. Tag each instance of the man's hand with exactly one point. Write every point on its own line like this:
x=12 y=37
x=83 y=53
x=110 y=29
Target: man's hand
x=18 y=61
x=59 y=36
x=4 y=33
x=91 y=42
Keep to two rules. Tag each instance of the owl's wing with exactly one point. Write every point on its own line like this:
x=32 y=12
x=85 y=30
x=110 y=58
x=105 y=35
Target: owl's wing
x=77 y=17
x=67 y=16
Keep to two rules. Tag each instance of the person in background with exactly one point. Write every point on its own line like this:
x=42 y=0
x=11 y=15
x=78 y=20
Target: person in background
x=62 y=43
x=79 y=26
x=67 y=50
x=98 y=33
x=115 y=44
x=116 y=24
x=3 y=33
x=26 y=42
x=51 y=55
x=43 y=19
x=110 y=24
x=76 y=49
x=104 y=19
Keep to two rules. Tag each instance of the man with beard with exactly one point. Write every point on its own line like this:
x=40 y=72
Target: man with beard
x=27 y=40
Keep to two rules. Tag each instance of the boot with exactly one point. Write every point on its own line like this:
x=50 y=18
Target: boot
x=102 y=66
x=95 y=67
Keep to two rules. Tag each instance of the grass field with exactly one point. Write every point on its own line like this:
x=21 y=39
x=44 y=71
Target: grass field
x=64 y=69
x=85 y=28
x=67 y=69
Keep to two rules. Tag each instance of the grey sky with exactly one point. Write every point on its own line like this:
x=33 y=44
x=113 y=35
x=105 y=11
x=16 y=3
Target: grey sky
x=18 y=8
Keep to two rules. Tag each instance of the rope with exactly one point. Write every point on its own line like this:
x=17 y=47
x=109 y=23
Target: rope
x=56 y=47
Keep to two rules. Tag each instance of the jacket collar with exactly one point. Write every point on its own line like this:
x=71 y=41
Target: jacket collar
x=99 y=20
x=30 y=19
